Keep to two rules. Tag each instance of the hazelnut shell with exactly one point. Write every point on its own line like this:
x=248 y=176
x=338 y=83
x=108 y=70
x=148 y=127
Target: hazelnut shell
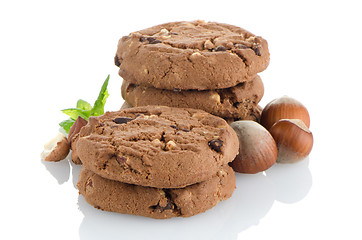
x=60 y=151
x=284 y=108
x=257 y=148
x=76 y=127
x=293 y=138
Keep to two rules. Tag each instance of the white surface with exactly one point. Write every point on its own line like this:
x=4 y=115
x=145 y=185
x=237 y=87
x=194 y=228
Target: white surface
x=54 y=52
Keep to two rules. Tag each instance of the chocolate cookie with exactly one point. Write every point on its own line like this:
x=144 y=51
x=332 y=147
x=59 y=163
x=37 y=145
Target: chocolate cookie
x=157 y=146
x=191 y=55
x=254 y=115
x=234 y=102
x=126 y=198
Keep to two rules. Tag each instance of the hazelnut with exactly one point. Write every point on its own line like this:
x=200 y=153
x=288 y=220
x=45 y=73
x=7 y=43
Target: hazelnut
x=208 y=44
x=56 y=149
x=293 y=138
x=257 y=148
x=195 y=55
x=199 y=115
x=170 y=145
x=283 y=108
x=215 y=97
x=158 y=143
x=126 y=105
x=76 y=127
x=164 y=31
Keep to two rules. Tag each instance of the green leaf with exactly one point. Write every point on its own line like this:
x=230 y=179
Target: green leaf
x=98 y=107
x=74 y=113
x=67 y=124
x=85 y=110
x=83 y=105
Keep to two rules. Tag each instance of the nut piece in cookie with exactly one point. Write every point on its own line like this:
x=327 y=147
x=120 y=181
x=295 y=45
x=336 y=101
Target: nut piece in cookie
x=56 y=149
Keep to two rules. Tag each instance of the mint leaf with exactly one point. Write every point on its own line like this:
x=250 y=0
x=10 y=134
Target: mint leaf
x=74 y=113
x=98 y=107
x=84 y=105
x=67 y=124
x=85 y=110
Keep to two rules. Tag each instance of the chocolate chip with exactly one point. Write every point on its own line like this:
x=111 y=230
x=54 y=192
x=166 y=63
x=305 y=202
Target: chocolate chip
x=185 y=130
x=122 y=120
x=174 y=126
x=157 y=41
x=173 y=33
x=90 y=182
x=120 y=159
x=257 y=50
x=236 y=104
x=152 y=40
x=116 y=61
x=219 y=49
x=216 y=145
x=241 y=46
x=168 y=206
x=142 y=39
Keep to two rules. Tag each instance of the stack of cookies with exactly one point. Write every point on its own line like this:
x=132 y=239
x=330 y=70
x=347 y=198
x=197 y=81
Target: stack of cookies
x=156 y=161
x=202 y=65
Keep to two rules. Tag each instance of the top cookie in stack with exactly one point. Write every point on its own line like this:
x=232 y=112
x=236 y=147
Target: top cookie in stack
x=211 y=66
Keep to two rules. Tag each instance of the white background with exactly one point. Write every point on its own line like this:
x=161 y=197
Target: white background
x=54 y=52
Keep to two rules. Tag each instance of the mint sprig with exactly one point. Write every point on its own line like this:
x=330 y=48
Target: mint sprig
x=85 y=109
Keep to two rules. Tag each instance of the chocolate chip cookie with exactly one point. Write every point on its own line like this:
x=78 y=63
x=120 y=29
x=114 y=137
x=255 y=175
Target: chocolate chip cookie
x=254 y=115
x=159 y=203
x=157 y=146
x=234 y=102
x=191 y=55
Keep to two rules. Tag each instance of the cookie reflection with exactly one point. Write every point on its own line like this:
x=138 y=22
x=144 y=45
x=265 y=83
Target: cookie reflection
x=252 y=200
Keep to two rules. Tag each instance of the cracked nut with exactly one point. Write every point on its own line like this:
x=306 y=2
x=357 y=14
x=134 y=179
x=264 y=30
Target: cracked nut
x=56 y=149
x=76 y=127
x=283 y=108
x=293 y=138
x=257 y=148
